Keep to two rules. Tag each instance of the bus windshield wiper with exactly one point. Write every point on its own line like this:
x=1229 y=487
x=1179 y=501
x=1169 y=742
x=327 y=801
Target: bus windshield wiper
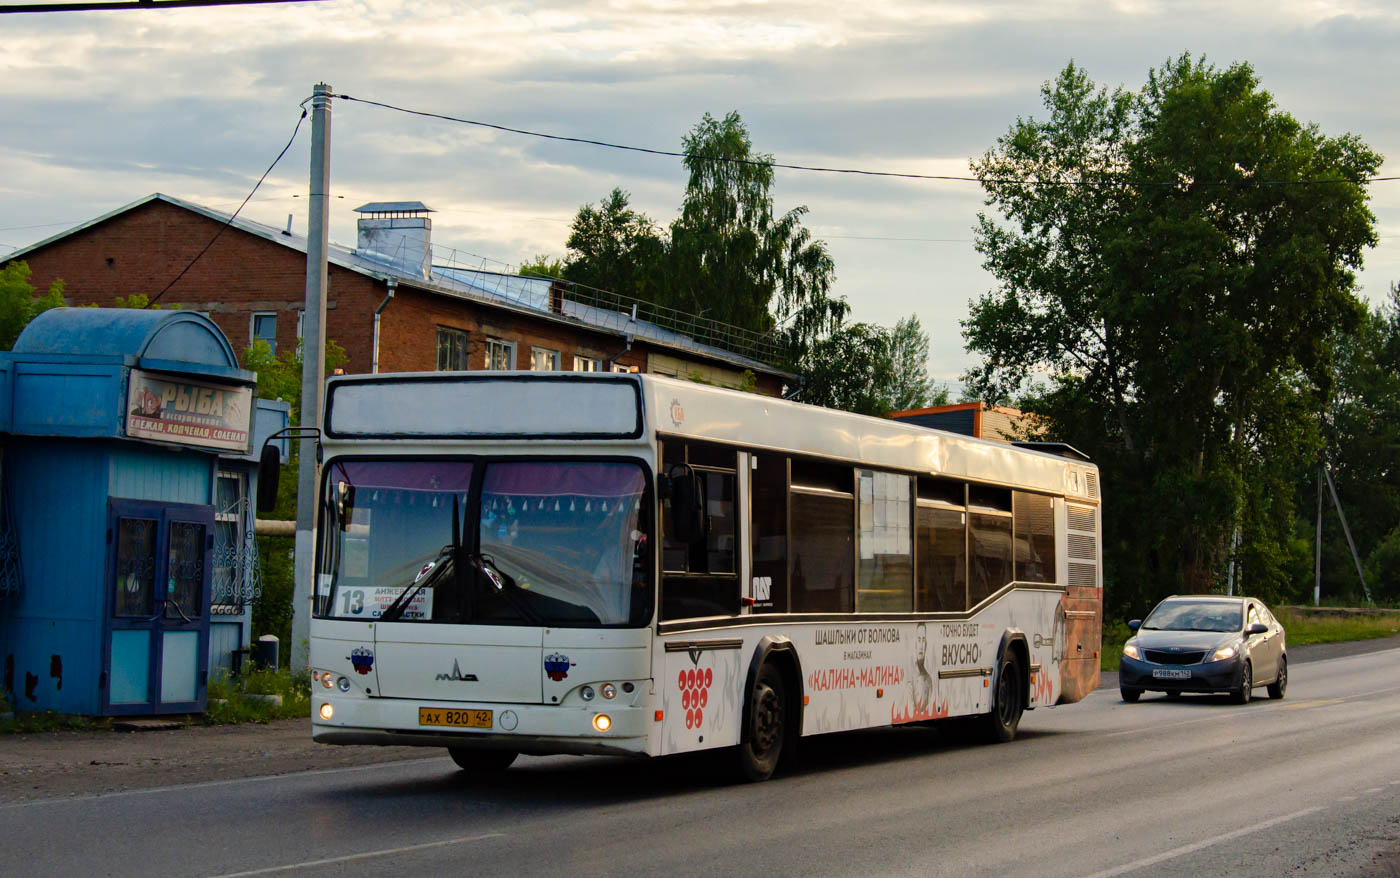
x=505 y=585
x=430 y=572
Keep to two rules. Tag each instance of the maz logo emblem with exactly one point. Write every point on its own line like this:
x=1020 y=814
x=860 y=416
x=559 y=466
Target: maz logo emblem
x=457 y=674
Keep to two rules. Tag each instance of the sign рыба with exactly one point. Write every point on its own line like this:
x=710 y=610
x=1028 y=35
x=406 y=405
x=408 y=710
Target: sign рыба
x=188 y=412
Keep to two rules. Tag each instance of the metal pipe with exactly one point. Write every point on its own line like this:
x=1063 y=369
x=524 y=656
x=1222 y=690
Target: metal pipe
x=393 y=284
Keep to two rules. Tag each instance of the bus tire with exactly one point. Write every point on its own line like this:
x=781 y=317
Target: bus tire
x=482 y=762
x=1001 y=723
x=765 y=726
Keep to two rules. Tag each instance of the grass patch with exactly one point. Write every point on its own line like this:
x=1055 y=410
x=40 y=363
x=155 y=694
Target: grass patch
x=14 y=722
x=1115 y=634
x=1306 y=626
x=237 y=700
x=1301 y=625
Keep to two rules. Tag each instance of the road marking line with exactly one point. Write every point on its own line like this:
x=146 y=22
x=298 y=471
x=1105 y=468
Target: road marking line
x=200 y=784
x=1304 y=705
x=1346 y=798
x=1373 y=790
x=1246 y=712
x=365 y=856
x=1192 y=848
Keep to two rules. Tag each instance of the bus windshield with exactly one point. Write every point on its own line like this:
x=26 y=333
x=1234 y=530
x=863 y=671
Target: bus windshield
x=543 y=542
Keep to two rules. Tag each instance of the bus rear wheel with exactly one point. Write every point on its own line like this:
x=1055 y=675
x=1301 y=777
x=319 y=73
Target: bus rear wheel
x=765 y=725
x=1000 y=725
x=480 y=762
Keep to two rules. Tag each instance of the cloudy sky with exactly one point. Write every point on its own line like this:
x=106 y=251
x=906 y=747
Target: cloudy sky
x=103 y=108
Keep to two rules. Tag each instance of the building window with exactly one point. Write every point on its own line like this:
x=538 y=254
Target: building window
x=587 y=364
x=623 y=368
x=451 y=349
x=545 y=360
x=264 y=327
x=500 y=354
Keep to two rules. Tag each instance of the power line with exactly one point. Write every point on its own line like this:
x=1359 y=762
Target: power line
x=234 y=215
x=99 y=6
x=815 y=168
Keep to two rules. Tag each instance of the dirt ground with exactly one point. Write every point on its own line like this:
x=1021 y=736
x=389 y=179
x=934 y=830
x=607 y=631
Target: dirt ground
x=41 y=766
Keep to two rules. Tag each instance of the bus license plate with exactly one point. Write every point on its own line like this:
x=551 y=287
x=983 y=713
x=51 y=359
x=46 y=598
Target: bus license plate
x=465 y=719
x=1170 y=674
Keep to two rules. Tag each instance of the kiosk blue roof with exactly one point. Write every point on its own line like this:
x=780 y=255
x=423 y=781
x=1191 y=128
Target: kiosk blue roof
x=178 y=341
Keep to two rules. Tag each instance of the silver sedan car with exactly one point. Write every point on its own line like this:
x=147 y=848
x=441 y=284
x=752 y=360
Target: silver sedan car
x=1205 y=643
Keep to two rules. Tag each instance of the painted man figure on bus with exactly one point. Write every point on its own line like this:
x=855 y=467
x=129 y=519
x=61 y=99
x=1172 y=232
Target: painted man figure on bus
x=919 y=678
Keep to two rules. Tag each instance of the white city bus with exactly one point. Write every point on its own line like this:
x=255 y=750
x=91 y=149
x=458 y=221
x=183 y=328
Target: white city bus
x=627 y=564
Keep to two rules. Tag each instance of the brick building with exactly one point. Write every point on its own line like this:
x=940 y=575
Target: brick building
x=391 y=304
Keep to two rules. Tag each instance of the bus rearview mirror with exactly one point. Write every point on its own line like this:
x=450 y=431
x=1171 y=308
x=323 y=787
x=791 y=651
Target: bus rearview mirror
x=269 y=471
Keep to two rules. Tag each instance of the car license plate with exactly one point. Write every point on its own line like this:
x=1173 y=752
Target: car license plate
x=1170 y=674
x=465 y=719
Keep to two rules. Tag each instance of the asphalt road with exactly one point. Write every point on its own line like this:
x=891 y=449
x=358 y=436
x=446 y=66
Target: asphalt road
x=1306 y=786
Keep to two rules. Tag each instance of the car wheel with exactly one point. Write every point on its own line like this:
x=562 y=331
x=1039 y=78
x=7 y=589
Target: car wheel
x=1005 y=716
x=482 y=762
x=766 y=724
x=1279 y=686
x=1173 y=694
x=1130 y=695
x=1246 y=690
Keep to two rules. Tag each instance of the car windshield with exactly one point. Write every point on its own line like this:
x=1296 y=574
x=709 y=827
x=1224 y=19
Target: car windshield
x=1195 y=616
x=552 y=542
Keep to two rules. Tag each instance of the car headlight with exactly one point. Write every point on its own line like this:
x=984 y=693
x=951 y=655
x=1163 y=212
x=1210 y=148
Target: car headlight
x=1224 y=652
x=1131 y=651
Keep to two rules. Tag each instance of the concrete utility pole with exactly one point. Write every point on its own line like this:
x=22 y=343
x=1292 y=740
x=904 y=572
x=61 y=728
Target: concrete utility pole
x=313 y=374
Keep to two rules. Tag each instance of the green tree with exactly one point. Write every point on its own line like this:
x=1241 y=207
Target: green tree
x=1361 y=432
x=911 y=388
x=542 y=265
x=613 y=247
x=851 y=368
x=734 y=257
x=17 y=303
x=1172 y=263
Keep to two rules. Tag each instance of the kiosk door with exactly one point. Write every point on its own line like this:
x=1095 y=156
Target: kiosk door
x=158 y=607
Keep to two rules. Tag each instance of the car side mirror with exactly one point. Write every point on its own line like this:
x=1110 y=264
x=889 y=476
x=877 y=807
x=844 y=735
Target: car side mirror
x=1257 y=628
x=688 y=519
x=1134 y=624
x=269 y=472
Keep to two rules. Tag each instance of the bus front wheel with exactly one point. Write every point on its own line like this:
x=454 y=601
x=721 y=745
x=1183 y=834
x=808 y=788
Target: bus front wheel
x=765 y=726
x=1005 y=716
x=481 y=762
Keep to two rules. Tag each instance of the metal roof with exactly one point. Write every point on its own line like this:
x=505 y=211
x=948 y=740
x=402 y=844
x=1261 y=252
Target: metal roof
x=528 y=295
x=394 y=207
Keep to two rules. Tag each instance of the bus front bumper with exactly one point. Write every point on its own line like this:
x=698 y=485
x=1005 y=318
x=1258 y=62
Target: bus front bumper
x=526 y=728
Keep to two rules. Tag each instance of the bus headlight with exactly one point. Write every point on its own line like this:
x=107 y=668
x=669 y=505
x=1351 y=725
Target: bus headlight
x=586 y=693
x=602 y=722
x=325 y=678
x=327 y=711
x=342 y=683
x=607 y=690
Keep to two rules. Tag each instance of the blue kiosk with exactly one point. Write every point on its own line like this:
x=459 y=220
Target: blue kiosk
x=125 y=533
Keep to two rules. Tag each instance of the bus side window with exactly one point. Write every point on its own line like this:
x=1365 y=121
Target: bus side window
x=942 y=543
x=1035 y=537
x=822 y=546
x=768 y=493
x=989 y=538
x=700 y=578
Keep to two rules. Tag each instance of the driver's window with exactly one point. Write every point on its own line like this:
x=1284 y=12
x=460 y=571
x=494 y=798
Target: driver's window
x=701 y=577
